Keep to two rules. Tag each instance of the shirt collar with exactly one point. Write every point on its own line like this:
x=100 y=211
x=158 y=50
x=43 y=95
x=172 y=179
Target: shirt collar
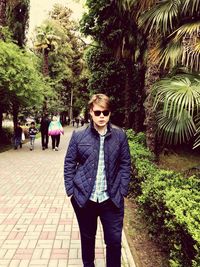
x=107 y=130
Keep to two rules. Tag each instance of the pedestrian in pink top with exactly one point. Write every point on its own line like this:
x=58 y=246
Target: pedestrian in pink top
x=55 y=130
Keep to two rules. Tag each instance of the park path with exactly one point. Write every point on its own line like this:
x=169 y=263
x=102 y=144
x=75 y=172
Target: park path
x=38 y=227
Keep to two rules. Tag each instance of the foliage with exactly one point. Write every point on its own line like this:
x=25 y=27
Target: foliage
x=177 y=22
x=47 y=37
x=115 y=31
x=171 y=205
x=82 y=94
x=19 y=79
x=17 y=19
x=56 y=36
x=177 y=101
x=107 y=76
x=6 y=136
x=5 y=34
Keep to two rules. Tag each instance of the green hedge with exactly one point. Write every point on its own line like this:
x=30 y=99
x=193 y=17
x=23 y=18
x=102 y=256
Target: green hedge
x=171 y=204
x=6 y=136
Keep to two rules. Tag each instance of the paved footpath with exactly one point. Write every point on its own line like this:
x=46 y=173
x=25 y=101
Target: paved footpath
x=38 y=227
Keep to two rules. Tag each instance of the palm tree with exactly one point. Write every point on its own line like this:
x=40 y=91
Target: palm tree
x=175 y=23
x=151 y=76
x=46 y=41
x=179 y=22
x=130 y=47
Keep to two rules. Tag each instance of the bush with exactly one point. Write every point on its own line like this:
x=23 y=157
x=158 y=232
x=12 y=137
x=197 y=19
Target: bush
x=6 y=136
x=170 y=203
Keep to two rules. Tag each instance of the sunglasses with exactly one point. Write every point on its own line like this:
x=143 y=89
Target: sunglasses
x=97 y=113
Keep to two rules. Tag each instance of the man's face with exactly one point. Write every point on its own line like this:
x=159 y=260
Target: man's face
x=100 y=115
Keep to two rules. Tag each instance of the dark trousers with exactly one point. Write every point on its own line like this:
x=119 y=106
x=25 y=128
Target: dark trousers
x=45 y=139
x=112 y=221
x=55 y=140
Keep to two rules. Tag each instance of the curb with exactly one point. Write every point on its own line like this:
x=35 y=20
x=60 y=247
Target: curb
x=127 y=258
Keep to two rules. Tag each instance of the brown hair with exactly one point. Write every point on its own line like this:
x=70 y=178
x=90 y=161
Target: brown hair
x=101 y=100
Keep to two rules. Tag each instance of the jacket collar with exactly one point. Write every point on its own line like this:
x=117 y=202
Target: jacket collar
x=93 y=130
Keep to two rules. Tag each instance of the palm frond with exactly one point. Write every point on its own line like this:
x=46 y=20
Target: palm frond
x=171 y=54
x=189 y=34
x=173 y=130
x=190 y=6
x=161 y=16
x=125 y=4
x=189 y=29
x=146 y=4
x=177 y=94
x=177 y=101
x=191 y=59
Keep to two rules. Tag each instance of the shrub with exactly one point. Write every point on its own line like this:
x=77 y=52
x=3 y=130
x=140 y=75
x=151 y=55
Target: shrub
x=170 y=203
x=6 y=136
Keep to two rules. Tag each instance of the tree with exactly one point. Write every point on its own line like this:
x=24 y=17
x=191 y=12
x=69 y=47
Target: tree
x=73 y=56
x=21 y=85
x=66 y=65
x=176 y=24
x=113 y=28
x=46 y=41
x=17 y=19
x=107 y=76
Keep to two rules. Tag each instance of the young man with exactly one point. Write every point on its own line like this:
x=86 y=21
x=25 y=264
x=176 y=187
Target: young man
x=96 y=174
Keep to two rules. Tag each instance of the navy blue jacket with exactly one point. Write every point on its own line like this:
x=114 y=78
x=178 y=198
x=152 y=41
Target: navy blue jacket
x=81 y=163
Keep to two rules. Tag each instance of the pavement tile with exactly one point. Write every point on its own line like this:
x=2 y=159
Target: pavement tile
x=38 y=227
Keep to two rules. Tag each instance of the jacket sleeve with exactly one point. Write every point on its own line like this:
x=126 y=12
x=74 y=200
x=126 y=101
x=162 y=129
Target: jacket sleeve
x=125 y=166
x=70 y=165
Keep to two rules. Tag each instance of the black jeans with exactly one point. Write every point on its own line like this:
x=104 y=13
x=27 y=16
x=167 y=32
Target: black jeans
x=112 y=221
x=45 y=139
x=55 y=140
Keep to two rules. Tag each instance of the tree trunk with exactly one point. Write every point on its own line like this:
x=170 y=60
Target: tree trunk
x=15 y=114
x=140 y=83
x=139 y=114
x=128 y=93
x=1 y=122
x=46 y=63
x=46 y=74
x=3 y=12
x=152 y=75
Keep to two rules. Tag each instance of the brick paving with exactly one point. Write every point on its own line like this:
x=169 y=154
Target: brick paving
x=38 y=227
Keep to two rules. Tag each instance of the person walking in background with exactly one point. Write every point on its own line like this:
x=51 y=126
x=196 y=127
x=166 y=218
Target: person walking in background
x=18 y=136
x=55 y=130
x=32 y=134
x=97 y=169
x=82 y=121
x=77 y=122
x=44 y=126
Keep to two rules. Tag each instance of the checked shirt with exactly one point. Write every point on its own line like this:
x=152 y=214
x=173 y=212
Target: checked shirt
x=99 y=192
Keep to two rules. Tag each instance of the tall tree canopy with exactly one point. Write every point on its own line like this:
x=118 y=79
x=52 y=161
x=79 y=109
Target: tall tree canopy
x=21 y=85
x=113 y=28
x=56 y=40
